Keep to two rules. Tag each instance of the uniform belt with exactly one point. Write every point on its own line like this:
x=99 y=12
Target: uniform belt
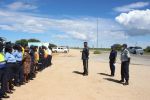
x=19 y=61
x=11 y=63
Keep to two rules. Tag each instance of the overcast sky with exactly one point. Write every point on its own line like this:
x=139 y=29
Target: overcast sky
x=71 y=22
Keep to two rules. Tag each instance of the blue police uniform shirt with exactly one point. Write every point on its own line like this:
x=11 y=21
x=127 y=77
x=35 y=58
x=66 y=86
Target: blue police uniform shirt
x=10 y=58
x=112 y=56
x=85 y=53
x=18 y=55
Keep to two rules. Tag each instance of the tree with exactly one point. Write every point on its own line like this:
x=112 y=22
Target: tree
x=117 y=46
x=52 y=45
x=33 y=40
x=147 y=49
x=22 y=42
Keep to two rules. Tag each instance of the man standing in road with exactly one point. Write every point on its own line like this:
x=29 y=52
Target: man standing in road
x=112 y=60
x=125 y=61
x=85 y=57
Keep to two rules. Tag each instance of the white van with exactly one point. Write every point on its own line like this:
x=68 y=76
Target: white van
x=60 y=50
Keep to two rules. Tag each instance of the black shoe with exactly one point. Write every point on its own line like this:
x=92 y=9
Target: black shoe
x=121 y=81
x=112 y=75
x=13 y=89
x=85 y=74
x=4 y=96
x=18 y=85
x=22 y=83
x=126 y=83
x=9 y=92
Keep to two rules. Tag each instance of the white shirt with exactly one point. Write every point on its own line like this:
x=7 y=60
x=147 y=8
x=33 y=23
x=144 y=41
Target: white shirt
x=49 y=52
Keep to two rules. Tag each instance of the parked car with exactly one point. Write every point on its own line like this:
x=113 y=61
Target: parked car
x=60 y=50
x=136 y=50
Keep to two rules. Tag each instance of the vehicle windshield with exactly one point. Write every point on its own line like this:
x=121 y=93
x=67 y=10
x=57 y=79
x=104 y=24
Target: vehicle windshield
x=138 y=48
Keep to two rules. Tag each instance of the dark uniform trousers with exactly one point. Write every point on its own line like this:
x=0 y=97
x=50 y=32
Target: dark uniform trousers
x=125 y=70
x=112 y=68
x=3 y=80
x=85 y=66
x=19 y=72
x=49 y=60
x=12 y=68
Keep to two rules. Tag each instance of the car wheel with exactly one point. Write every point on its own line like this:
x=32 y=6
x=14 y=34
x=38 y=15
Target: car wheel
x=65 y=51
x=134 y=52
x=141 y=53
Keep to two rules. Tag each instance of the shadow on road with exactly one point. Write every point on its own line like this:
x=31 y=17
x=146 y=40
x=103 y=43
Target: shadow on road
x=112 y=80
x=77 y=72
x=104 y=74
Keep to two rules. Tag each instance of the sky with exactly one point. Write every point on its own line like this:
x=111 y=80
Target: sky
x=71 y=22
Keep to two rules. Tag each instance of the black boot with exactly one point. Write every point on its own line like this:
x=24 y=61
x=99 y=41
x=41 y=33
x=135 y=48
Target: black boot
x=126 y=83
x=4 y=96
x=121 y=81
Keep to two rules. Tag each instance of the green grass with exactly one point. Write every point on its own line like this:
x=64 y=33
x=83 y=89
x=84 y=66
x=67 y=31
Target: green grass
x=97 y=52
x=100 y=49
x=147 y=53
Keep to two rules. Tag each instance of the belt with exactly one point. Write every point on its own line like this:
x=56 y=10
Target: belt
x=11 y=63
x=19 y=61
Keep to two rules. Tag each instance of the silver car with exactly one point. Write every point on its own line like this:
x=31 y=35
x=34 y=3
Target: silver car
x=136 y=50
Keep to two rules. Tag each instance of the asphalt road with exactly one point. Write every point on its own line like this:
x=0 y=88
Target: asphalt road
x=135 y=59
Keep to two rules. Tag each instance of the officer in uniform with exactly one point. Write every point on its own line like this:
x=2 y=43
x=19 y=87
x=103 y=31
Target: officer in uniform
x=112 y=60
x=3 y=73
x=85 y=57
x=41 y=58
x=19 y=71
x=11 y=66
x=125 y=60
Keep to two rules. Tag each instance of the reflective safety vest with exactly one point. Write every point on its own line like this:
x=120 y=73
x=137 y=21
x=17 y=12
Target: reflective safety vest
x=45 y=53
x=22 y=50
x=36 y=56
x=2 y=57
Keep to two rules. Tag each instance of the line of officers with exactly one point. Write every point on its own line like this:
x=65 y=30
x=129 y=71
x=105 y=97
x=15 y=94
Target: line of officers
x=19 y=65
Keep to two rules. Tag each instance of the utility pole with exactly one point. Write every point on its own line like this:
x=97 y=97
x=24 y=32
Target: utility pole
x=97 y=32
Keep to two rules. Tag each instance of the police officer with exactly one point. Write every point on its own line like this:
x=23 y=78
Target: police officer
x=32 y=74
x=112 y=60
x=125 y=60
x=85 y=57
x=41 y=58
x=19 y=71
x=3 y=73
x=49 y=58
x=11 y=66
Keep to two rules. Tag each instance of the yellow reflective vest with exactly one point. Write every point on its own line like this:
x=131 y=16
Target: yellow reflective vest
x=2 y=57
x=45 y=53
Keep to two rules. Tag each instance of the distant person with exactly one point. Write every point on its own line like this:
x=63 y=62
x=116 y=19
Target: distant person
x=112 y=60
x=125 y=60
x=26 y=64
x=19 y=72
x=32 y=67
x=41 y=58
x=12 y=68
x=49 y=58
x=3 y=74
x=36 y=59
x=85 y=57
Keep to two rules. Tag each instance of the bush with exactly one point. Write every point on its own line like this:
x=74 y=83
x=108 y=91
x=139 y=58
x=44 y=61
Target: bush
x=117 y=47
x=97 y=52
x=147 y=49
